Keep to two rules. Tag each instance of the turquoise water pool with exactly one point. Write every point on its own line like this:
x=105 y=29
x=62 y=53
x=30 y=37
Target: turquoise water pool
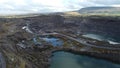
x=69 y=60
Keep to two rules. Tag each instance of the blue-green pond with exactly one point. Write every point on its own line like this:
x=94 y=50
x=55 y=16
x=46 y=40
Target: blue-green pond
x=63 y=59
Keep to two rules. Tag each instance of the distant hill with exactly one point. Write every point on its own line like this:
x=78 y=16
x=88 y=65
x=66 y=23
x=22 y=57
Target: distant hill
x=100 y=10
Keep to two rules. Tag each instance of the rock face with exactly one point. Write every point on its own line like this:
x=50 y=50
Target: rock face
x=45 y=23
x=108 y=26
x=104 y=25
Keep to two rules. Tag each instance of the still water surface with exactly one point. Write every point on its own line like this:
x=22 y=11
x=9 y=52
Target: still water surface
x=102 y=38
x=63 y=59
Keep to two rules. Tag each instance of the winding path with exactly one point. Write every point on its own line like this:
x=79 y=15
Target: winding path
x=82 y=41
x=77 y=40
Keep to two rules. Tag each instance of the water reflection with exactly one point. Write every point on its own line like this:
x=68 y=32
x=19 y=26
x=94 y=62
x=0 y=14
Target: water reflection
x=54 y=41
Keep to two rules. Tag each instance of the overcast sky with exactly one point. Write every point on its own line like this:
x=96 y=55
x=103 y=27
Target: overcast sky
x=34 y=6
